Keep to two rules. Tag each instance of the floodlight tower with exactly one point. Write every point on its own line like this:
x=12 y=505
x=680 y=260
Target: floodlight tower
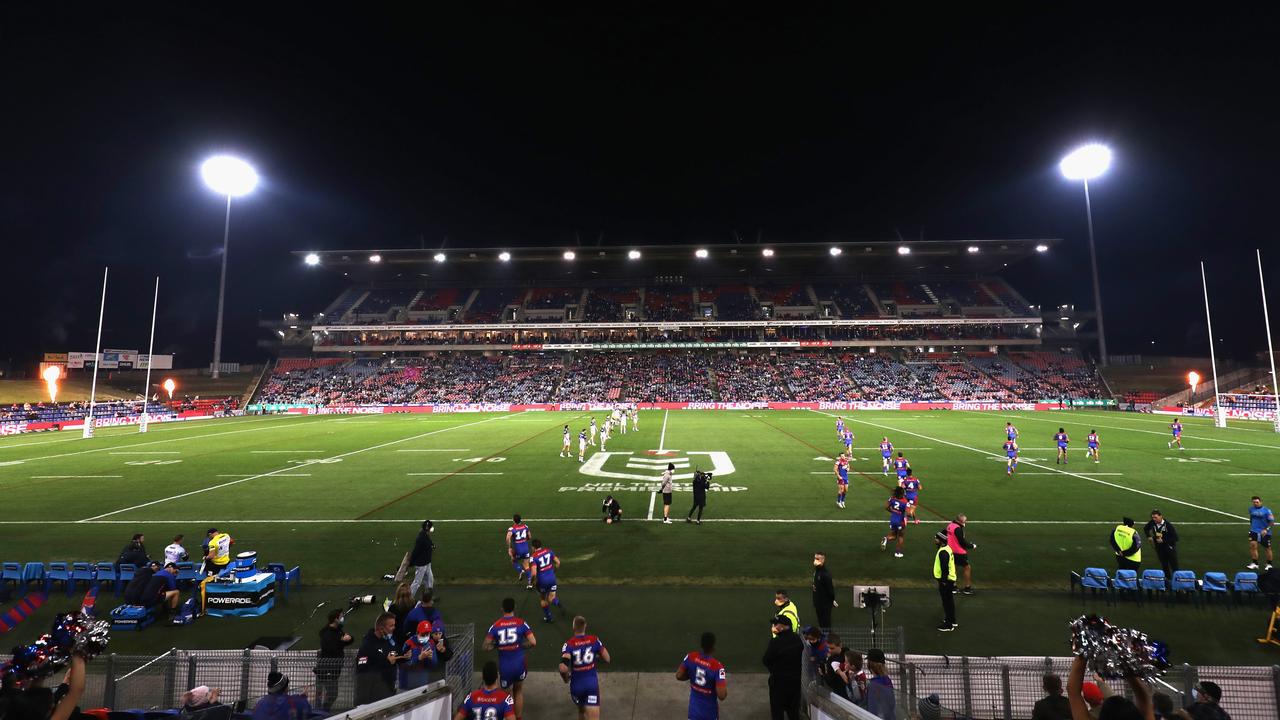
x=232 y=177
x=1086 y=163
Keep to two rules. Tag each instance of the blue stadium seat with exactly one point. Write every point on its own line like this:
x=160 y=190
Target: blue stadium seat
x=12 y=571
x=188 y=572
x=1245 y=583
x=1214 y=583
x=33 y=571
x=1154 y=581
x=81 y=571
x=124 y=574
x=1126 y=583
x=279 y=570
x=57 y=572
x=104 y=572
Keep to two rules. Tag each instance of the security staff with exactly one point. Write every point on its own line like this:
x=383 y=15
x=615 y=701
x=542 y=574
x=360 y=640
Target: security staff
x=824 y=591
x=944 y=571
x=1127 y=545
x=783 y=607
x=1164 y=538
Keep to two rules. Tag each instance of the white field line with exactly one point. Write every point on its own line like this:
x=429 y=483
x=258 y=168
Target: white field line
x=446 y=472
x=273 y=452
x=1253 y=474
x=1049 y=473
x=291 y=467
x=148 y=452
x=662 y=437
x=1046 y=467
x=280 y=475
x=152 y=429
x=150 y=442
x=71 y=477
x=507 y=520
x=652 y=497
x=1061 y=422
x=435 y=450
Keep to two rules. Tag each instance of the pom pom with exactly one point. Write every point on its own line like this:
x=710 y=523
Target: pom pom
x=72 y=634
x=1115 y=652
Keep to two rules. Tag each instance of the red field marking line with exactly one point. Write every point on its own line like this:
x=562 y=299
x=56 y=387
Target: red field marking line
x=460 y=470
x=865 y=476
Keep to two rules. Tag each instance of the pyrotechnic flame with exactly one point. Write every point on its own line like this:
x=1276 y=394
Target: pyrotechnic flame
x=50 y=375
x=169 y=386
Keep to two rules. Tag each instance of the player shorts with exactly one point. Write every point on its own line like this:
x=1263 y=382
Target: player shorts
x=1263 y=539
x=509 y=674
x=1012 y=457
x=842 y=484
x=522 y=555
x=666 y=498
x=1093 y=446
x=911 y=501
x=585 y=695
x=1062 y=446
x=886 y=458
x=546 y=588
x=896 y=523
x=961 y=560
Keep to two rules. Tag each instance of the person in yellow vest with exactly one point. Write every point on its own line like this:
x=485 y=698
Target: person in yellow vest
x=1127 y=544
x=217 y=547
x=783 y=607
x=944 y=571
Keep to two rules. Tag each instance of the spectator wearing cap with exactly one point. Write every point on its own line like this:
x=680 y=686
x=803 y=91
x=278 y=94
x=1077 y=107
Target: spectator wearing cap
x=135 y=553
x=424 y=610
x=1127 y=545
x=1206 y=697
x=1054 y=705
x=278 y=704
x=944 y=571
x=782 y=658
x=1164 y=538
x=201 y=697
x=420 y=559
x=881 y=701
x=425 y=651
x=930 y=708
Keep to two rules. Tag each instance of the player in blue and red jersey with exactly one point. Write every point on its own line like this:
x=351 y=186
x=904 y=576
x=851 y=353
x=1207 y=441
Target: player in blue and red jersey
x=911 y=486
x=706 y=680
x=839 y=428
x=1010 y=432
x=902 y=466
x=897 y=509
x=578 y=668
x=1176 y=427
x=487 y=703
x=847 y=439
x=842 y=479
x=886 y=454
x=511 y=636
x=545 y=563
x=1011 y=455
x=1061 y=438
x=1092 y=451
x=518 y=548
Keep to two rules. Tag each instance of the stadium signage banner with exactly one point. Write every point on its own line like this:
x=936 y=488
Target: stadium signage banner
x=116 y=360
x=56 y=358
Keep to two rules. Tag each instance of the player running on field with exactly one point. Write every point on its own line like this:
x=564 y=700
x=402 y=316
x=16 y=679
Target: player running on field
x=582 y=444
x=902 y=466
x=1061 y=438
x=1010 y=432
x=1011 y=456
x=593 y=430
x=578 y=659
x=911 y=486
x=886 y=455
x=839 y=428
x=487 y=703
x=620 y=419
x=842 y=479
x=511 y=636
x=897 y=509
x=1092 y=451
x=564 y=447
x=1261 y=522
x=518 y=548
x=706 y=678
x=635 y=420
x=1176 y=427
x=545 y=563
x=847 y=439
x=604 y=433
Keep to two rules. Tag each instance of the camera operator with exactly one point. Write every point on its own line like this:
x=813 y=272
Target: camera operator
x=612 y=510
x=376 y=662
x=701 y=483
x=333 y=642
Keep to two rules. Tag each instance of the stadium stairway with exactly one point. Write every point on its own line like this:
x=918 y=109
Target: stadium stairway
x=640 y=696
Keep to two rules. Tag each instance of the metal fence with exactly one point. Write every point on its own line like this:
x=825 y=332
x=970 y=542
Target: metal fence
x=1007 y=688
x=138 y=682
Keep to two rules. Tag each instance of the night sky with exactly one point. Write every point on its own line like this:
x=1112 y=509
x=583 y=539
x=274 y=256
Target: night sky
x=523 y=127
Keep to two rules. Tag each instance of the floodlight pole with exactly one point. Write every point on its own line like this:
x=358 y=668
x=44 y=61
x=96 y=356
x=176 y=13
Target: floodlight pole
x=1219 y=418
x=1271 y=353
x=151 y=352
x=1093 y=264
x=87 y=431
x=222 y=292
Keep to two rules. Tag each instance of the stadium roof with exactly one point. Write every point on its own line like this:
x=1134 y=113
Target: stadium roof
x=729 y=260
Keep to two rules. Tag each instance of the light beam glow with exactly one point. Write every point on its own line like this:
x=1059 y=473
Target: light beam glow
x=228 y=175
x=1086 y=162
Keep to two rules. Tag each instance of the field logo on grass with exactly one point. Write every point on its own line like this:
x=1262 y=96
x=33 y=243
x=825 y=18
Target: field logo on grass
x=613 y=464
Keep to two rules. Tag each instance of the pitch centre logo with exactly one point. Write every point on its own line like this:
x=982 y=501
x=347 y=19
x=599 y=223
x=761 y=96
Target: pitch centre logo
x=617 y=465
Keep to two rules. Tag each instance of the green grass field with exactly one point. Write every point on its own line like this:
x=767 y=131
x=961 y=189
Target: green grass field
x=342 y=495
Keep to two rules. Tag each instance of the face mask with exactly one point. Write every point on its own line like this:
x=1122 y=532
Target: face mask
x=423 y=639
x=1195 y=695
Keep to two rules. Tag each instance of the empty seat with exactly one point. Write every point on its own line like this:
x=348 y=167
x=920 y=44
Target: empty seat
x=1154 y=580
x=57 y=572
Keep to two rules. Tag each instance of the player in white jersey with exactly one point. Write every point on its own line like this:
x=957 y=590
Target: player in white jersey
x=604 y=433
x=582 y=445
x=621 y=416
x=564 y=447
x=592 y=428
x=635 y=420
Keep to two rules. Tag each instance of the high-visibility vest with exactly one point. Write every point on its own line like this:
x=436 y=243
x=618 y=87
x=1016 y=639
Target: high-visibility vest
x=951 y=565
x=1125 y=538
x=790 y=612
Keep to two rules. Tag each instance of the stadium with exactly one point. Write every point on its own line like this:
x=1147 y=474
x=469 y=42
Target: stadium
x=699 y=432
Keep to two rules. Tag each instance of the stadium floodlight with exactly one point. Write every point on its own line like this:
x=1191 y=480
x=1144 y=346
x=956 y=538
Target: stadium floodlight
x=570 y=255
x=767 y=252
x=701 y=253
x=1086 y=162
x=375 y=258
x=439 y=257
x=232 y=177
x=633 y=255
x=311 y=259
x=904 y=250
x=504 y=256
x=973 y=249
x=1042 y=248
x=835 y=251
